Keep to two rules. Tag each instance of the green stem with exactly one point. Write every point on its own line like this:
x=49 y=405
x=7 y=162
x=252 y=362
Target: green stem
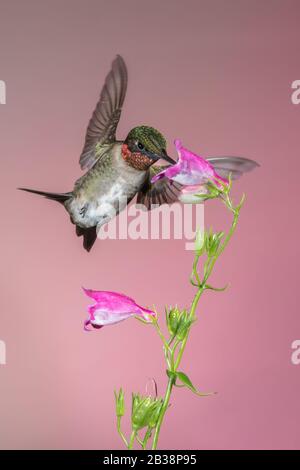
x=172 y=368
x=161 y=334
x=120 y=431
x=146 y=438
x=132 y=438
x=192 y=315
x=139 y=440
x=167 y=349
x=163 y=412
x=209 y=265
x=171 y=379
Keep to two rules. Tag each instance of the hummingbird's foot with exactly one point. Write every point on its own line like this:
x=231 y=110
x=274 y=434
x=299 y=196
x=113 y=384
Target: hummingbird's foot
x=83 y=210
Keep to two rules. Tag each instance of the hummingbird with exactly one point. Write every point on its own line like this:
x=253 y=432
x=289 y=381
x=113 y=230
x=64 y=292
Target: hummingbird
x=118 y=170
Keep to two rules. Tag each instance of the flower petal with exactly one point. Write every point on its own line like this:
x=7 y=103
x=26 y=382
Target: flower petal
x=86 y=324
x=193 y=194
x=112 y=307
x=190 y=169
x=102 y=294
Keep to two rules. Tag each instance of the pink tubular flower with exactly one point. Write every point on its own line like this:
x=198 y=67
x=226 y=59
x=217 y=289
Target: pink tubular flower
x=190 y=169
x=190 y=194
x=112 y=307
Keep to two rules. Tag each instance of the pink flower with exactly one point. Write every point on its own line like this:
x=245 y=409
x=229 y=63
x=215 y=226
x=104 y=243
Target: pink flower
x=112 y=307
x=193 y=194
x=190 y=169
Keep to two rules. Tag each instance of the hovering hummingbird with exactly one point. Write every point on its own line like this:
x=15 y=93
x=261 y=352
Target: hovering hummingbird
x=118 y=170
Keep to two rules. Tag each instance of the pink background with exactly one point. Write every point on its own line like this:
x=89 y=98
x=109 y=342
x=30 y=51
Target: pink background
x=217 y=75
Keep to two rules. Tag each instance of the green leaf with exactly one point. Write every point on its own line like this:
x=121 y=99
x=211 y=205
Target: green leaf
x=187 y=383
x=216 y=289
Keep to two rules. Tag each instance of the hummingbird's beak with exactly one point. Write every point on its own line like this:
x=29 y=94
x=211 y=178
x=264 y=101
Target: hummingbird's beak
x=166 y=157
x=161 y=155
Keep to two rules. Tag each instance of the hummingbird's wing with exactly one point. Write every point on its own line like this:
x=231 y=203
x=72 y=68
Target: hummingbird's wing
x=236 y=166
x=103 y=124
x=163 y=191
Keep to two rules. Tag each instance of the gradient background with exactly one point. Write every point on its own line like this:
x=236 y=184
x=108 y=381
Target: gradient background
x=218 y=75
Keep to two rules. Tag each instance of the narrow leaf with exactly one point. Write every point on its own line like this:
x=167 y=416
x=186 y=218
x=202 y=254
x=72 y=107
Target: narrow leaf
x=217 y=289
x=187 y=383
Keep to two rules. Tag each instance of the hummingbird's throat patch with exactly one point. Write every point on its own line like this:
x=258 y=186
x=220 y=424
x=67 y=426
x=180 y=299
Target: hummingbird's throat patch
x=135 y=159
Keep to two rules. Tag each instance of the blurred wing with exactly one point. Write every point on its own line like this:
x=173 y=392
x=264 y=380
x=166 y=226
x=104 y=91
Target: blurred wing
x=163 y=191
x=103 y=124
x=237 y=166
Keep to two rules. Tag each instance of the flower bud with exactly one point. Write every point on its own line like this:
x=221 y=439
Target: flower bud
x=120 y=403
x=184 y=325
x=172 y=320
x=178 y=323
x=200 y=242
x=212 y=242
x=155 y=413
x=216 y=187
x=145 y=411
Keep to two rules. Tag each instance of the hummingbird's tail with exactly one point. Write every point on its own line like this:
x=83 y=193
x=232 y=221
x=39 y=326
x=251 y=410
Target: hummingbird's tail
x=59 y=197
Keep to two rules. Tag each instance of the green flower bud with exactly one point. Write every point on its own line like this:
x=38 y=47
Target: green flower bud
x=145 y=411
x=184 y=325
x=212 y=242
x=213 y=191
x=120 y=403
x=178 y=322
x=200 y=242
x=155 y=413
x=173 y=316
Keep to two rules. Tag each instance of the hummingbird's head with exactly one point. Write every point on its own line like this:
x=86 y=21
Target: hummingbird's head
x=145 y=145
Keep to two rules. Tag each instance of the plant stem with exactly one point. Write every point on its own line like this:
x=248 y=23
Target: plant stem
x=209 y=265
x=171 y=379
x=167 y=348
x=209 y=270
x=120 y=431
x=131 y=442
x=192 y=315
x=139 y=440
x=163 y=412
x=146 y=438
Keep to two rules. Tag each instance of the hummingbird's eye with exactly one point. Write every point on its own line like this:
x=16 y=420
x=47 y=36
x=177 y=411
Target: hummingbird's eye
x=140 y=146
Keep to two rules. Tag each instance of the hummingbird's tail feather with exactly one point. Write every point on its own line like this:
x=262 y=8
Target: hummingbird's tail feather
x=89 y=236
x=236 y=166
x=59 y=197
